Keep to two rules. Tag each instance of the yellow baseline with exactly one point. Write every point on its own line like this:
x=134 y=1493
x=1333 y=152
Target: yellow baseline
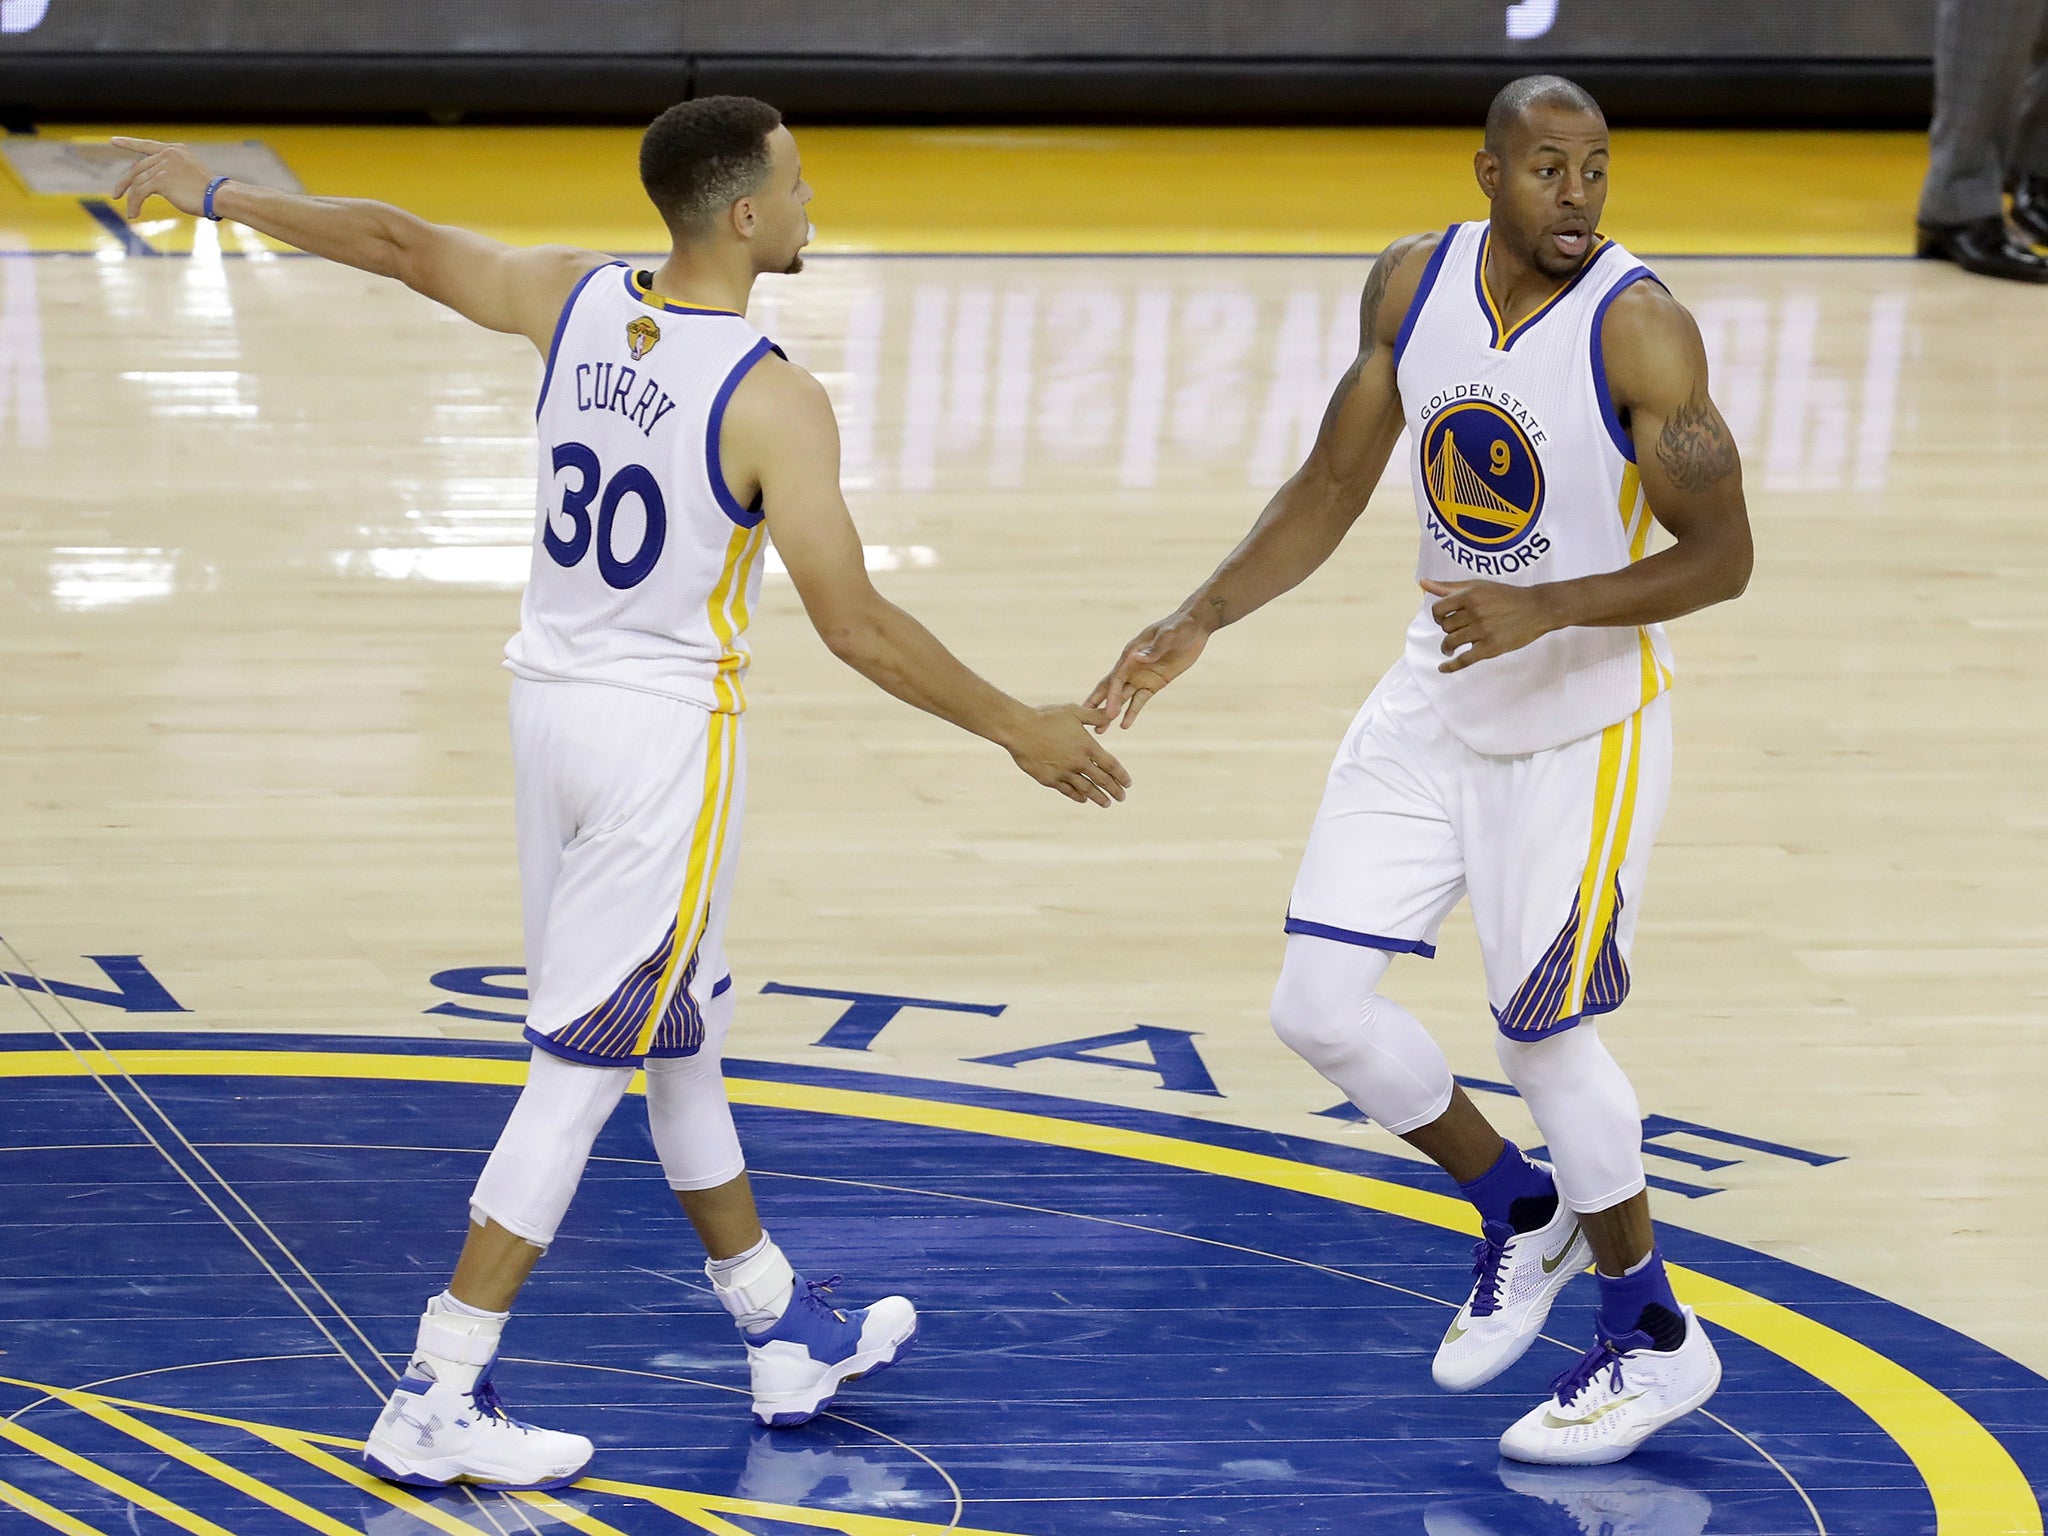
x=1976 y=1487
x=1167 y=191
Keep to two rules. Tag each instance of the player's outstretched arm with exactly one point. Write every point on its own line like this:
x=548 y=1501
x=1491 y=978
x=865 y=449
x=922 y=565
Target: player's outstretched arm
x=780 y=436
x=501 y=287
x=1308 y=517
x=1657 y=375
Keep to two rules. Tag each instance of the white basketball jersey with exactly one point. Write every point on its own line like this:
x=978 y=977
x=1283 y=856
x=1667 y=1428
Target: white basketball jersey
x=645 y=566
x=1523 y=474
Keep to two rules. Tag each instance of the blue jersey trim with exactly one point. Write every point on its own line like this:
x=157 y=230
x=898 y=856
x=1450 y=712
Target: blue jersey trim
x=570 y=1053
x=1504 y=336
x=722 y=986
x=1590 y=1011
x=1420 y=947
x=1436 y=263
x=1608 y=414
x=746 y=517
x=561 y=325
x=647 y=295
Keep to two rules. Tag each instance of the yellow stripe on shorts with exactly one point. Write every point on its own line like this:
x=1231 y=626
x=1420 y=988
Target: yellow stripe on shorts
x=1614 y=808
x=708 y=835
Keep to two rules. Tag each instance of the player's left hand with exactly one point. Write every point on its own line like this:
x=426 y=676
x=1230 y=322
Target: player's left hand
x=169 y=171
x=1486 y=618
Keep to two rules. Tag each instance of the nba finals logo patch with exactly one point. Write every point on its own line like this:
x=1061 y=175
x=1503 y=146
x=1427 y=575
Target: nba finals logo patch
x=1484 y=480
x=641 y=335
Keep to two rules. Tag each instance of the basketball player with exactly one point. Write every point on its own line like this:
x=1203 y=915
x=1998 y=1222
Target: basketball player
x=673 y=436
x=1555 y=397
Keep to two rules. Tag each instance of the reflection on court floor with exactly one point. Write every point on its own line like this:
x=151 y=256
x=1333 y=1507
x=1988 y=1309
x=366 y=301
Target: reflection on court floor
x=1131 y=1323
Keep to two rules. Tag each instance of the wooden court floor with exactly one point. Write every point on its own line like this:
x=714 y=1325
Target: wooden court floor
x=262 y=525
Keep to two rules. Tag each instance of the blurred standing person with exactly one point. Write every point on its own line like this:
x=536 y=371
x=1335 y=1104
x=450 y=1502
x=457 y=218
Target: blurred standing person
x=1989 y=136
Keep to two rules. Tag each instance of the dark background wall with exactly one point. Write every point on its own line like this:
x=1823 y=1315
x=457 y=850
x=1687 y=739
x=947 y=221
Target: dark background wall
x=923 y=60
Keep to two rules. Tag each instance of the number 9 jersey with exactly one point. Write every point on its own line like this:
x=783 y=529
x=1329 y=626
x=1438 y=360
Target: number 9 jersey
x=645 y=566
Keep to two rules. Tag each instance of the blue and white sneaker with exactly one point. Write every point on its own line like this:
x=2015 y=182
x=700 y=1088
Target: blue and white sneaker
x=430 y=1435
x=800 y=1362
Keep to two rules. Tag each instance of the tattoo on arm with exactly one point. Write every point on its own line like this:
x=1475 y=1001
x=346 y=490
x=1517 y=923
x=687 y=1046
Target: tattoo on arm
x=1695 y=448
x=1375 y=294
x=1369 y=321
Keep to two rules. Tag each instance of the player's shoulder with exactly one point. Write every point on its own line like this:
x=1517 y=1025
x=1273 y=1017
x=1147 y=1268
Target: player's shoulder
x=779 y=397
x=1647 y=312
x=1396 y=279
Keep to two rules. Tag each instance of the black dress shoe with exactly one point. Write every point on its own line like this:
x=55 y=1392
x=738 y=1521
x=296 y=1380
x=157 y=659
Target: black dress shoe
x=1986 y=247
x=2030 y=208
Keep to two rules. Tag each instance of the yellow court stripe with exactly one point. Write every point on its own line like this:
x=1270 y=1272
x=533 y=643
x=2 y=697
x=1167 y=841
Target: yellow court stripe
x=697 y=1507
x=212 y=1466
x=143 y=1498
x=49 y=1514
x=574 y=1518
x=357 y=1478
x=1976 y=1488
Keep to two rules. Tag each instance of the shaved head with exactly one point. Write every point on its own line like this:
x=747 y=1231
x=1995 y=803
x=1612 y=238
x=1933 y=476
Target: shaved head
x=1518 y=97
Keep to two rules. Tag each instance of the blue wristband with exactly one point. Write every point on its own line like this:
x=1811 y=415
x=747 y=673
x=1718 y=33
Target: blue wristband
x=213 y=186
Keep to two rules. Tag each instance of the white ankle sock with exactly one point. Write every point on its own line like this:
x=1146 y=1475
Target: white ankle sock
x=455 y=1342
x=754 y=1286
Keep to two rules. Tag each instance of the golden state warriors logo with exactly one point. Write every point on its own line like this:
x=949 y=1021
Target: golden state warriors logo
x=641 y=335
x=1482 y=476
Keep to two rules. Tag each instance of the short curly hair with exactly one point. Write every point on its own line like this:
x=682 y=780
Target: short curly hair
x=699 y=157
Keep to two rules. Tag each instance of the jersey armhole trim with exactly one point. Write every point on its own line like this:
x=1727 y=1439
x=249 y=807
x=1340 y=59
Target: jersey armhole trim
x=562 y=324
x=714 y=468
x=1429 y=272
x=1609 y=416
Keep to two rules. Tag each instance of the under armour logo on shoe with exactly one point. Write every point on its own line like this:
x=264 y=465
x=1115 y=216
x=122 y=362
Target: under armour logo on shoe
x=423 y=1428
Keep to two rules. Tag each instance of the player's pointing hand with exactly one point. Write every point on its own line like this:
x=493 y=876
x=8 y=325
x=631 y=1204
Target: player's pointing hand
x=1054 y=747
x=169 y=171
x=1487 y=618
x=1159 y=653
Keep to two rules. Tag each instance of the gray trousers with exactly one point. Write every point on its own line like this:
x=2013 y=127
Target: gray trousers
x=1990 y=106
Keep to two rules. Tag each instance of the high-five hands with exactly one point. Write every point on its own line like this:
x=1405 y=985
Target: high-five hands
x=169 y=171
x=1486 y=618
x=1054 y=747
x=1159 y=654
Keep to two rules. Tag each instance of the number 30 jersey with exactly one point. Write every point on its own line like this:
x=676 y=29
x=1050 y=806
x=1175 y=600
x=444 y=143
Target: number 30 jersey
x=645 y=566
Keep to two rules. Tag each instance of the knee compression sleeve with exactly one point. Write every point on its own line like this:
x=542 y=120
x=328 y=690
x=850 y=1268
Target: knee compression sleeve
x=1326 y=1010
x=1583 y=1104
x=538 y=1162
x=688 y=1113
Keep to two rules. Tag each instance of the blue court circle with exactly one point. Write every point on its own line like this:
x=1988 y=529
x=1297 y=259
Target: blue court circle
x=1107 y=1346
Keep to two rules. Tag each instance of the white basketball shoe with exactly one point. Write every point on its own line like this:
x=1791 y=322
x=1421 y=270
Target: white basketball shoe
x=799 y=1364
x=1515 y=1278
x=444 y=1423
x=430 y=1436
x=1620 y=1393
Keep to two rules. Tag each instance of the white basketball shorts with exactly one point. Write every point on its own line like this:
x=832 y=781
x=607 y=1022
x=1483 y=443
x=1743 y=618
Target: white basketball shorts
x=628 y=806
x=1552 y=847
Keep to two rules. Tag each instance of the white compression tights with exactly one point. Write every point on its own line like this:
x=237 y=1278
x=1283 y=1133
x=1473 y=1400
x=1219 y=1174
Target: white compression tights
x=1328 y=1010
x=533 y=1172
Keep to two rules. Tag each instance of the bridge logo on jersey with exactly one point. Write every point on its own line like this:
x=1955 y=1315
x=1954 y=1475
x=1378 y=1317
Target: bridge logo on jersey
x=641 y=335
x=1482 y=476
